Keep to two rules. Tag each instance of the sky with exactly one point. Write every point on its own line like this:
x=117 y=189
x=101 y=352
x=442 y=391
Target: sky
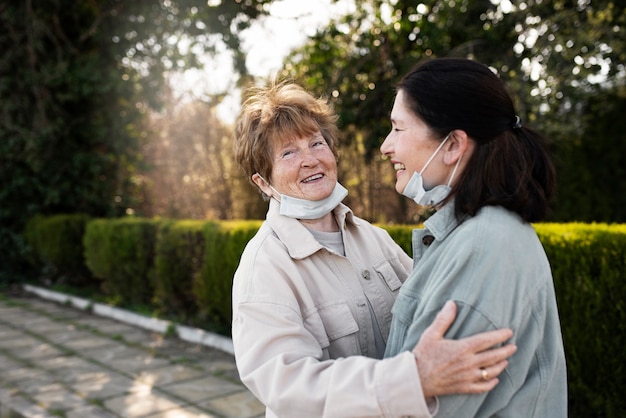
x=266 y=43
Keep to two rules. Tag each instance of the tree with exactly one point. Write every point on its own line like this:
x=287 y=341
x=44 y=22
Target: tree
x=555 y=56
x=76 y=80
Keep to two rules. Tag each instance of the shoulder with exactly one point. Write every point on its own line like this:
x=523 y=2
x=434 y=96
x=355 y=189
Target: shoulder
x=497 y=224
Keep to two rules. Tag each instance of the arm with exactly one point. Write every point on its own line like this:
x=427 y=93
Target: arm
x=282 y=364
x=454 y=366
x=286 y=374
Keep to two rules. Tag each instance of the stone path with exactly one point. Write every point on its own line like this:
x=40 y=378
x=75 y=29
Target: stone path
x=59 y=361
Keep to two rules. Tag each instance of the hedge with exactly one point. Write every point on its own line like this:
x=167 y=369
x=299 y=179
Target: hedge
x=120 y=252
x=184 y=269
x=588 y=263
x=179 y=259
x=225 y=241
x=57 y=249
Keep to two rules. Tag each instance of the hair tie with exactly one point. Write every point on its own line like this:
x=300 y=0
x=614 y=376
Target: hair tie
x=517 y=124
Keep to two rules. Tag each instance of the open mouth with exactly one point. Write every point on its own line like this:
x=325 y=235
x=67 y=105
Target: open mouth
x=399 y=166
x=312 y=178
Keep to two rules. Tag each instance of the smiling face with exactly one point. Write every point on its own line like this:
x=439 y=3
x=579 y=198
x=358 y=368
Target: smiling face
x=304 y=168
x=409 y=145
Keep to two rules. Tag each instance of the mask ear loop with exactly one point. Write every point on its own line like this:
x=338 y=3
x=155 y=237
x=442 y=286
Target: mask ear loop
x=454 y=171
x=271 y=187
x=435 y=153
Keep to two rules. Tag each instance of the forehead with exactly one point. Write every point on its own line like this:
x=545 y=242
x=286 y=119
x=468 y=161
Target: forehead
x=402 y=112
x=289 y=140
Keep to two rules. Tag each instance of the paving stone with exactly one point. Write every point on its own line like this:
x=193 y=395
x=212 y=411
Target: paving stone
x=182 y=413
x=69 y=335
x=136 y=336
x=48 y=327
x=107 y=354
x=203 y=388
x=106 y=385
x=23 y=319
x=7 y=363
x=71 y=369
x=90 y=342
x=237 y=405
x=56 y=397
x=136 y=364
x=30 y=382
x=100 y=376
x=169 y=374
x=140 y=404
x=39 y=350
x=22 y=374
x=90 y=411
x=7 y=332
x=18 y=342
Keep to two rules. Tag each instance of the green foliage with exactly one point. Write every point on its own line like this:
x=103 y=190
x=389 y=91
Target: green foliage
x=402 y=235
x=563 y=62
x=195 y=262
x=121 y=252
x=591 y=171
x=57 y=247
x=179 y=259
x=225 y=243
x=76 y=80
x=588 y=262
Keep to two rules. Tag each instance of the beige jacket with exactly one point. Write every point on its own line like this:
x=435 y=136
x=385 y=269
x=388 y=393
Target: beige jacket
x=302 y=329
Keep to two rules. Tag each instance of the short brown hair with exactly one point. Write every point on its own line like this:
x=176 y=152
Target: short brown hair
x=274 y=113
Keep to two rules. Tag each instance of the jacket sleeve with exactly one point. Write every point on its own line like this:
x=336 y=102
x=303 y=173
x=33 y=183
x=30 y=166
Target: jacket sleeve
x=280 y=362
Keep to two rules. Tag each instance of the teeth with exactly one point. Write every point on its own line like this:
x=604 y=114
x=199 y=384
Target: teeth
x=399 y=166
x=315 y=177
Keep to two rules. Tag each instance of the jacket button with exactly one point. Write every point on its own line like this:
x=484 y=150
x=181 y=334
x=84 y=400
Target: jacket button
x=427 y=240
x=366 y=274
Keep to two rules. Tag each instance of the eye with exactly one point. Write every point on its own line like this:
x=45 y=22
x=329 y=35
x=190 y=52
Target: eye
x=319 y=143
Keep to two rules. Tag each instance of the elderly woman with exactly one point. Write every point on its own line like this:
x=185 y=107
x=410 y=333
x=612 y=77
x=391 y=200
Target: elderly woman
x=313 y=293
x=480 y=177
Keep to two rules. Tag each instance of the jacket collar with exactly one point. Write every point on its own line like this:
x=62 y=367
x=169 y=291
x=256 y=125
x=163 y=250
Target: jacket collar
x=299 y=242
x=442 y=223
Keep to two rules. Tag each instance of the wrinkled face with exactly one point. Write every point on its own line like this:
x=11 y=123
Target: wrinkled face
x=409 y=145
x=304 y=168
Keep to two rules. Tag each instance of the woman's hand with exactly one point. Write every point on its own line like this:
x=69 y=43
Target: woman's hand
x=469 y=365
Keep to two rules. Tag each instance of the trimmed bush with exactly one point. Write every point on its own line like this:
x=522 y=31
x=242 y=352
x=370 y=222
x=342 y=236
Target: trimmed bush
x=179 y=259
x=185 y=269
x=225 y=242
x=57 y=247
x=588 y=264
x=402 y=235
x=121 y=253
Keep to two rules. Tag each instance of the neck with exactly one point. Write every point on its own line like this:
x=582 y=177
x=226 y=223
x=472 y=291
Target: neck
x=327 y=223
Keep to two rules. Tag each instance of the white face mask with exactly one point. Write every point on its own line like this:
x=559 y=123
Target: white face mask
x=297 y=208
x=294 y=207
x=415 y=187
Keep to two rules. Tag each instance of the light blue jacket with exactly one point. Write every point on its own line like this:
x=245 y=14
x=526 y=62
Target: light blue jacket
x=494 y=267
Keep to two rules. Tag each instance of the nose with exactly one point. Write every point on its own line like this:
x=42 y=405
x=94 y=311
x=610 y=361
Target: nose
x=386 y=147
x=309 y=158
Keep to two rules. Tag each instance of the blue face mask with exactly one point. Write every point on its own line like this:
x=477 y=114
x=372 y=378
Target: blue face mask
x=415 y=187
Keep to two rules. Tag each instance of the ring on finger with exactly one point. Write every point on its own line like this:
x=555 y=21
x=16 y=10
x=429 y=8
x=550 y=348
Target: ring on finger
x=484 y=374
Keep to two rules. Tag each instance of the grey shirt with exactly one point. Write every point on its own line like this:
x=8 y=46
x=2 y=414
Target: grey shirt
x=494 y=266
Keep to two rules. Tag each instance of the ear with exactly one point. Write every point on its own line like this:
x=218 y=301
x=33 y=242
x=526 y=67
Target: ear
x=262 y=184
x=459 y=144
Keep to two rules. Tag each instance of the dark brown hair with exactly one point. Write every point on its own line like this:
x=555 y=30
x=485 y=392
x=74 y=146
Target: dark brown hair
x=511 y=165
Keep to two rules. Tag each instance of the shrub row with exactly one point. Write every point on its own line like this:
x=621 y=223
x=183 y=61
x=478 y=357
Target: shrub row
x=176 y=269
x=184 y=269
